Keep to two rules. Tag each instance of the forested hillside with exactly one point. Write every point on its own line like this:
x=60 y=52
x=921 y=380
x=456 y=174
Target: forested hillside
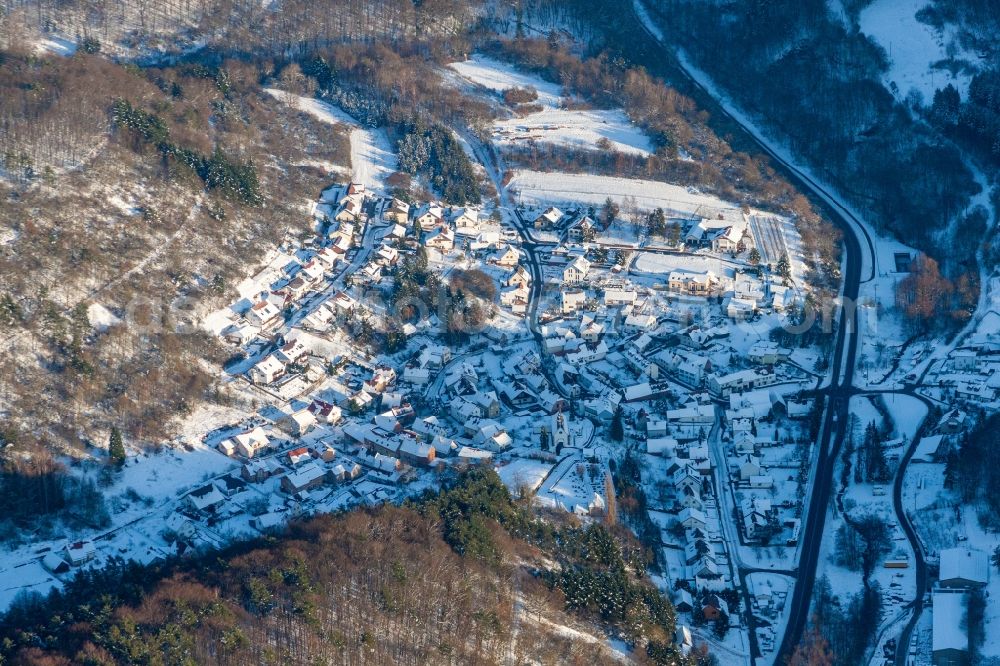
x=139 y=195
x=819 y=78
x=464 y=576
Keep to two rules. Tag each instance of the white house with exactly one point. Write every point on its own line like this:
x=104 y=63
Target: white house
x=387 y=255
x=261 y=469
x=326 y=412
x=581 y=230
x=56 y=564
x=749 y=466
x=80 y=552
x=297 y=423
x=262 y=314
x=756 y=516
x=635 y=323
x=350 y=209
x=687 y=479
x=617 y=297
x=206 y=498
x=429 y=216
x=415 y=375
x=240 y=334
x=740 y=381
x=696 y=415
x=507 y=257
x=949 y=631
x=692 y=519
x=465 y=218
x=267 y=370
x=549 y=218
x=313 y=271
x=397 y=211
x=766 y=352
x=291 y=352
x=694 y=284
x=519 y=277
x=729 y=238
x=298 y=456
x=249 y=444
x=576 y=271
x=572 y=300
x=305 y=477
x=442 y=239
x=740 y=308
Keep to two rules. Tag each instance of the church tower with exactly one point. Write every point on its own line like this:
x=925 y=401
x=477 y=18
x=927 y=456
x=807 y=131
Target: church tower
x=560 y=431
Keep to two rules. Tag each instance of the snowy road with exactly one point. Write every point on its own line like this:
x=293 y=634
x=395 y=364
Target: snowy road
x=859 y=257
x=861 y=267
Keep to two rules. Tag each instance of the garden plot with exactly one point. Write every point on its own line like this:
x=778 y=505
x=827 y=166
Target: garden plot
x=768 y=237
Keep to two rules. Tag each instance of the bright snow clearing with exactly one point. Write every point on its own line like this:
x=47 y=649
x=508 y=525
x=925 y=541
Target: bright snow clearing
x=542 y=188
x=55 y=45
x=913 y=47
x=372 y=157
x=581 y=129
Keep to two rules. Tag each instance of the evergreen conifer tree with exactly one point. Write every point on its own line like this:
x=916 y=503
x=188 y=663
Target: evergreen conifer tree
x=116 y=447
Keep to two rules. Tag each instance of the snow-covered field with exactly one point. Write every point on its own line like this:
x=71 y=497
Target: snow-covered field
x=26 y=575
x=913 y=47
x=56 y=46
x=523 y=473
x=498 y=76
x=553 y=124
x=139 y=500
x=663 y=264
x=879 y=325
x=568 y=189
x=101 y=318
x=907 y=413
x=372 y=157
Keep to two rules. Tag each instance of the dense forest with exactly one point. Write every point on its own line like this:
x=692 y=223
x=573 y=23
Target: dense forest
x=844 y=625
x=461 y=576
x=973 y=470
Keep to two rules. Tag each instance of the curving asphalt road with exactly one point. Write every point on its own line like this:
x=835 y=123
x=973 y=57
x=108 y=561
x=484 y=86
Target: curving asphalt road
x=493 y=164
x=920 y=565
x=837 y=395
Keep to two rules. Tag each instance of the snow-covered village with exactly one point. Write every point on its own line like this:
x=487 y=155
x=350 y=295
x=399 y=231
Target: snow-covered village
x=788 y=446
x=581 y=340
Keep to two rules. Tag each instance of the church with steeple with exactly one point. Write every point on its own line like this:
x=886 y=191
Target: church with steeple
x=560 y=431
